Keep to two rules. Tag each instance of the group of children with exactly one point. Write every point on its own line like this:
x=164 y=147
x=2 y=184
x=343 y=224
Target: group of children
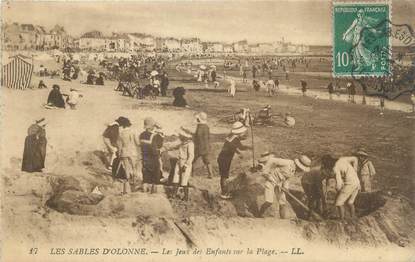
x=350 y=175
x=122 y=144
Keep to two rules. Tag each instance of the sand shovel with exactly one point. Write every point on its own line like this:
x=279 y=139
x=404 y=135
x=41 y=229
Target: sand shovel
x=301 y=204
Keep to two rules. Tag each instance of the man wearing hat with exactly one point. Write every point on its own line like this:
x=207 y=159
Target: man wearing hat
x=277 y=172
x=365 y=170
x=151 y=142
x=231 y=146
x=202 y=142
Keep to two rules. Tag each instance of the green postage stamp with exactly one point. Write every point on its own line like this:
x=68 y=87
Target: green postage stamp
x=361 y=42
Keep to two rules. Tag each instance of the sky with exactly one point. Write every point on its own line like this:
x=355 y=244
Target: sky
x=298 y=21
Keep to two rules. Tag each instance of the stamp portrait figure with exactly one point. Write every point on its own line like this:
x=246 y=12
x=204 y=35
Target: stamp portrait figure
x=357 y=34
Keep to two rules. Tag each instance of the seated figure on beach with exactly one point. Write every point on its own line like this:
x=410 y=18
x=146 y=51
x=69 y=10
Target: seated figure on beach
x=55 y=98
x=179 y=100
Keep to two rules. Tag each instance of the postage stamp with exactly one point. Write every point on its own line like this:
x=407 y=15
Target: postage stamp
x=360 y=39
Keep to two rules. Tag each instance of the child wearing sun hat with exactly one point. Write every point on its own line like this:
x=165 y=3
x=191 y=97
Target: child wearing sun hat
x=231 y=147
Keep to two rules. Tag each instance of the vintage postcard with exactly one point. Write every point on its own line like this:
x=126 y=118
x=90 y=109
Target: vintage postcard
x=207 y=130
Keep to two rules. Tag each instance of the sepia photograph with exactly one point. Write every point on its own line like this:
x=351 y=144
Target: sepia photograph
x=207 y=130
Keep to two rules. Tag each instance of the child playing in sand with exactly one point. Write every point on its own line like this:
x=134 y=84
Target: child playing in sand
x=73 y=98
x=365 y=170
x=289 y=120
x=231 y=147
x=183 y=168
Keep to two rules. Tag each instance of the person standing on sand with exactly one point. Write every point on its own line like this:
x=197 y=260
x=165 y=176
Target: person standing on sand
x=277 y=172
x=413 y=102
x=330 y=88
x=231 y=147
x=349 y=95
x=127 y=144
x=277 y=84
x=150 y=142
x=304 y=87
x=244 y=76
x=213 y=75
x=164 y=84
x=382 y=105
x=347 y=181
x=352 y=92
x=312 y=183
x=34 y=152
x=270 y=87
x=184 y=164
x=232 y=87
x=366 y=171
x=202 y=142
x=254 y=71
x=255 y=85
x=110 y=137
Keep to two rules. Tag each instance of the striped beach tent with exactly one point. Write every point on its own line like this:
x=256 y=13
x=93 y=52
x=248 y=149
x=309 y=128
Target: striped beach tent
x=17 y=73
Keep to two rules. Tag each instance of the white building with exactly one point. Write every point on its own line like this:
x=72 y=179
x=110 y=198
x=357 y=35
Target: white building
x=172 y=44
x=93 y=40
x=228 y=48
x=241 y=46
x=265 y=48
x=191 y=45
x=139 y=41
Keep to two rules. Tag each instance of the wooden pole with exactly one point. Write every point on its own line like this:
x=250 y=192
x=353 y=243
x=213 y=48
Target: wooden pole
x=252 y=139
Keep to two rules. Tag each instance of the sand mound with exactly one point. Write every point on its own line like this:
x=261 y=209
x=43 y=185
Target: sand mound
x=68 y=196
x=248 y=196
x=392 y=223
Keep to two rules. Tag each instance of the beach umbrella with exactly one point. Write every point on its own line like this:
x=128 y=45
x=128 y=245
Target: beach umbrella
x=154 y=73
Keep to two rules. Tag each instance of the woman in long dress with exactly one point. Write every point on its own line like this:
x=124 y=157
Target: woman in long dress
x=34 y=152
x=232 y=88
x=55 y=98
x=357 y=34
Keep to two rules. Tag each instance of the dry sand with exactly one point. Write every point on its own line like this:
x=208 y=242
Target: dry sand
x=73 y=136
